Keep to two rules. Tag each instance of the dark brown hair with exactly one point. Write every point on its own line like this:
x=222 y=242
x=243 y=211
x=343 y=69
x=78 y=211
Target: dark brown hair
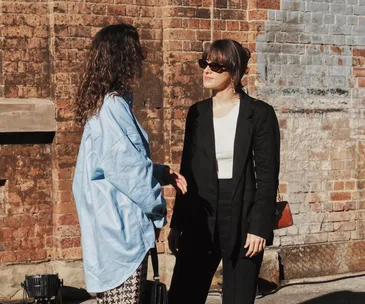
x=114 y=62
x=232 y=55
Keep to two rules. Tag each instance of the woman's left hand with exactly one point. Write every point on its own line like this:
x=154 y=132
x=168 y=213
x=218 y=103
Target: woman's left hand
x=170 y=177
x=255 y=245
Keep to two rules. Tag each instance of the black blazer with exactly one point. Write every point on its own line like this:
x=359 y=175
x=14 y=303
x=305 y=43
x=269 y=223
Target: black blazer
x=253 y=200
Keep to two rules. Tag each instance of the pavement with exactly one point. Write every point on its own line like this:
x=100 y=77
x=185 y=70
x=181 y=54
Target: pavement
x=345 y=289
x=349 y=289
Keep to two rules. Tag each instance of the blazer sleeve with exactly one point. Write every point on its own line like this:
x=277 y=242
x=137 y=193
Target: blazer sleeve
x=182 y=207
x=266 y=148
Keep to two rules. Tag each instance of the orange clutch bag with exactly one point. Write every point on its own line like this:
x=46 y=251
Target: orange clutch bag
x=283 y=216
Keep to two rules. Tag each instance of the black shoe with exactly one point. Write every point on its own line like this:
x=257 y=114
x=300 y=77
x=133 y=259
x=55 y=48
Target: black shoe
x=259 y=294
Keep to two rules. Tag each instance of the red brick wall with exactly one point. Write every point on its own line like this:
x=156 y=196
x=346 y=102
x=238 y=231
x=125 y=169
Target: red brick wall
x=25 y=167
x=44 y=45
x=26 y=210
x=44 y=48
x=357 y=193
x=24 y=49
x=73 y=24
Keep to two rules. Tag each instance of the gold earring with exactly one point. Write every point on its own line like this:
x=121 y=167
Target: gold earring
x=233 y=88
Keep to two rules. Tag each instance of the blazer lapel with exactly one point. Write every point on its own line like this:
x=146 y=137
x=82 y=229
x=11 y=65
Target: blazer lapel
x=242 y=140
x=207 y=172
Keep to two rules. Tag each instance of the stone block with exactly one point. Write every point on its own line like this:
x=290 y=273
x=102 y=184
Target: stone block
x=318 y=7
x=329 y=19
x=340 y=8
x=27 y=115
x=293 y=5
x=340 y=29
x=322 y=259
x=353 y=20
x=359 y=10
x=270 y=270
x=361 y=41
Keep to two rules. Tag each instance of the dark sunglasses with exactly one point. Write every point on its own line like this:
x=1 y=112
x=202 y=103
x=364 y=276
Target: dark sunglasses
x=214 y=66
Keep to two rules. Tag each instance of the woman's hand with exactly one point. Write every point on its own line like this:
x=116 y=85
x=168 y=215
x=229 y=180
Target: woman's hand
x=170 y=177
x=174 y=238
x=255 y=245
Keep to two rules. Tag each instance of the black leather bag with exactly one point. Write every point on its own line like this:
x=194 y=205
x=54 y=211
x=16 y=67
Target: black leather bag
x=155 y=291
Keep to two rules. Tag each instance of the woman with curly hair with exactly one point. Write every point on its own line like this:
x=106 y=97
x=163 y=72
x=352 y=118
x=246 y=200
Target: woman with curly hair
x=116 y=186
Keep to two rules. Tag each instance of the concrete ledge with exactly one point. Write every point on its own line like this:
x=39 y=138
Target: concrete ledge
x=270 y=268
x=27 y=115
x=11 y=276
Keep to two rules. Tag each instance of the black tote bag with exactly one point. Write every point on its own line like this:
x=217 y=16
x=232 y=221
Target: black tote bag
x=155 y=291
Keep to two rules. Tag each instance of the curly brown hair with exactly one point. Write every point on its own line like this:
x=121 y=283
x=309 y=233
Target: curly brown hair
x=114 y=63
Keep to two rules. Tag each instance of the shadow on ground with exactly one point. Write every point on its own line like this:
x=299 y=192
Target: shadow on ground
x=74 y=295
x=338 y=297
x=68 y=295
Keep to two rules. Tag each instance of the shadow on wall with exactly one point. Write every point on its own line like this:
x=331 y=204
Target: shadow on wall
x=339 y=297
x=23 y=138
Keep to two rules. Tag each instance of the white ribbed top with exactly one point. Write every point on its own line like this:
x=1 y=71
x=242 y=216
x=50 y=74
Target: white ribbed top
x=224 y=134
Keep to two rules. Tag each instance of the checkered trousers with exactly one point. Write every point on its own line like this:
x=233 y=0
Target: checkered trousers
x=130 y=292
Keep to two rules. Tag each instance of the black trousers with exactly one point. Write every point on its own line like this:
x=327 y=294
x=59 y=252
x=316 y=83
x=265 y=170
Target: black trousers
x=199 y=257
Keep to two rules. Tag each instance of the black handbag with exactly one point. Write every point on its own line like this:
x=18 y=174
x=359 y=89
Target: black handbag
x=155 y=291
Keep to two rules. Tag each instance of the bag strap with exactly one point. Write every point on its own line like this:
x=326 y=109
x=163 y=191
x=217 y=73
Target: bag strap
x=154 y=258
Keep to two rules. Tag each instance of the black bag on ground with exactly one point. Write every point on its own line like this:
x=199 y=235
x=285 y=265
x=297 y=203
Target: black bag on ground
x=155 y=291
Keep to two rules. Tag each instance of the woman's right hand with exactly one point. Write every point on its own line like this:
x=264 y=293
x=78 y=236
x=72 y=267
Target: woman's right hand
x=170 y=177
x=174 y=239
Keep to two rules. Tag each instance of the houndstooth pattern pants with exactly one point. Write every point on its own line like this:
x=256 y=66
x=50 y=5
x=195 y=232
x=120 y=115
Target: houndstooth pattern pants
x=130 y=292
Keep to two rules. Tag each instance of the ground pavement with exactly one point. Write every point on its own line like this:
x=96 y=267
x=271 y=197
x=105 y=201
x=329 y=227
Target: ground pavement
x=324 y=290
x=346 y=289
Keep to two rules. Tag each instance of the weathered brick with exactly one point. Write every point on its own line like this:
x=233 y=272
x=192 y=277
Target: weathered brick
x=257 y=15
x=361 y=82
x=232 y=25
x=340 y=196
x=268 y=4
x=339 y=185
x=116 y=10
x=359 y=72
x=232 y=14
x=8 y=257
x=175 y=43
x=346 y=226
x=339 y=236
x=358 y=52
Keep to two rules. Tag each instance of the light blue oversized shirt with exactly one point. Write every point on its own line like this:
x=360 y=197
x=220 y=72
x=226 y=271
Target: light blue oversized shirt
x=117 y=194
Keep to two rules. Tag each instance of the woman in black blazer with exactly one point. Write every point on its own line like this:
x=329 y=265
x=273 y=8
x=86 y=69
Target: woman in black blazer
x=231 y=163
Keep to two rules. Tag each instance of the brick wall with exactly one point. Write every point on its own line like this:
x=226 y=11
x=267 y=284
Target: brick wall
x=24 y=49
x=25 y=161
x=72 y=26
x=26 y=202
x=307 y=61
x=310 y=70
x=310 y=60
